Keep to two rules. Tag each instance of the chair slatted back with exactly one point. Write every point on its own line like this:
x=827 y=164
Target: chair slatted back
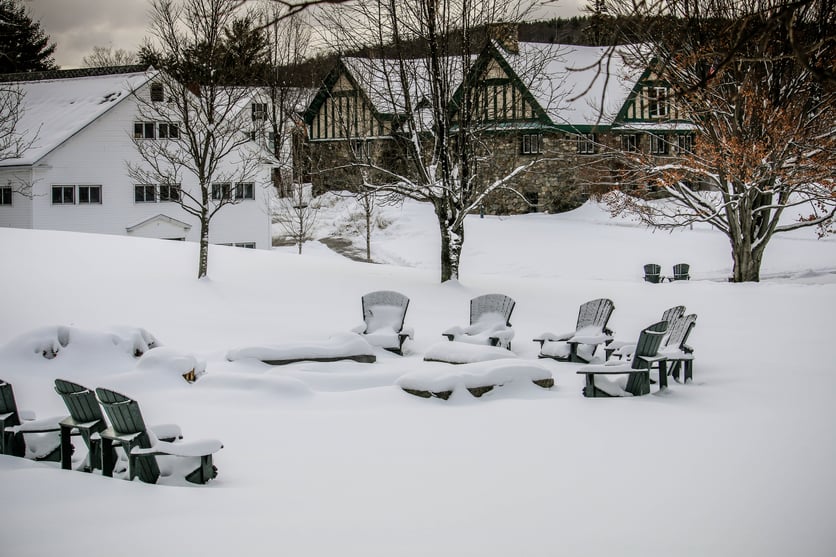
x=126 y=419
x=681 y=271
x=650 y=340
x=385 y=298
x=652 y=272
x=672 y=314
x=80 y=401
x=492 y=303
x=8 y=404
x=595 y=313
x=680 y=330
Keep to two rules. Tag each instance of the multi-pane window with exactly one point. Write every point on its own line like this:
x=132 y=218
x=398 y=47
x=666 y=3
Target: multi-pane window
x=220 y=191
x=145 y=130
x=5 y=195
x=145 y=193
x=63 y=195
x=244 y=190
x=259 y=111
x=168 y=131
x=89 y=194
x=157 y=92
x=170 y=192
x=629 y=143
x=685 y=143
x=586 y=143
x=531 y=144
x=658 y=144
x=657 y=102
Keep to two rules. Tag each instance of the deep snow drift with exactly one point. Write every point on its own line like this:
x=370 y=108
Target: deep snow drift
x=336 y=459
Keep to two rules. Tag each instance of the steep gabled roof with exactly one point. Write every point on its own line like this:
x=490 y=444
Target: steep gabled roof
x=579 y=87
x=54 y=110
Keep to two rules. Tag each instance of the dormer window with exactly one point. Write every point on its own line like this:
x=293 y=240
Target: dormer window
x=259 y=111
x=657 y=102
x=157 y=92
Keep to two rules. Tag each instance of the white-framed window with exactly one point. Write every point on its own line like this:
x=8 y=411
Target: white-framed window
x=685 y=143
x=259 y=111
x=168 y=130
x=221 y=191
x=657 y=102
x=5 y=195
x=658 y=144
x=145 y=130
x=145 y=193
x=586 y=143
x=531 y=144
x=169 y=192
x=249 y=245
x=63 y=195
x=244 y=190
x=89 y=195
x=629 y=143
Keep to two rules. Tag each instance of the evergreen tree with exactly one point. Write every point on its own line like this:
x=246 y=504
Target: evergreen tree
x=24 y=47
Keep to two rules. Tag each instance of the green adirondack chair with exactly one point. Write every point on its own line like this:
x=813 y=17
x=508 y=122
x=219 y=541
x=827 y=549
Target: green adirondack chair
x=128 y=430
x=86 y=419
x=637 y=369
x=620 y=348
x=652 y=273
x=14 y=428
x=681 y=271
x=676 y=351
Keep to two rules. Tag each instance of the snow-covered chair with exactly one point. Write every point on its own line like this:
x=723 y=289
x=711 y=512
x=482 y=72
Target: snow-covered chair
x=384 y=312
x=490 y=322
x=637 y=369
x=23 y=435
x=590 y=331
x=621 y=348
x=141 y=445
x=675 y=349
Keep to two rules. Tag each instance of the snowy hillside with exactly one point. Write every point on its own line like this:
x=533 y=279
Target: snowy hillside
x=336 y=459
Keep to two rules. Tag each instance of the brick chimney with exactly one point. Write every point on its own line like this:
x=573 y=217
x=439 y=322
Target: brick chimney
x=506 y=34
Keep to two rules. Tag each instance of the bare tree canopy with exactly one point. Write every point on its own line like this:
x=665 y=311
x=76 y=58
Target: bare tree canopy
x=105 y=56
x=762 y=101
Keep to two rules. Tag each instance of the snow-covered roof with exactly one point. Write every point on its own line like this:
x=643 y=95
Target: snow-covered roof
x=576 y=85
x=56 y=109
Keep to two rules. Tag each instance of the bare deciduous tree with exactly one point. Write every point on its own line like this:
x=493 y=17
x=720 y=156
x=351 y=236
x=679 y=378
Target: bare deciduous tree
x=14 y=142
x=104 y=56
x=439 y=136
x=763 y=110
x=201 y=121
x=296 y=214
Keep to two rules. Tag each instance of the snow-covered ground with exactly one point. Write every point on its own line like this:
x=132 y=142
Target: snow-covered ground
x=335 y=459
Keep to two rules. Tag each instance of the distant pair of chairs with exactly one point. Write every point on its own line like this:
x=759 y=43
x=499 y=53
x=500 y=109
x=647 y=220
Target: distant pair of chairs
x=653 y=272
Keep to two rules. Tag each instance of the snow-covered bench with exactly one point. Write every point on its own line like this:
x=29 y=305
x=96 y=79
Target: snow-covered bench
x=478 y=378
x=343 y=346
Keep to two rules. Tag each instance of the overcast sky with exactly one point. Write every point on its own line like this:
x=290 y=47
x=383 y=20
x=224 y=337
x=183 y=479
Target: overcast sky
x=79 y=25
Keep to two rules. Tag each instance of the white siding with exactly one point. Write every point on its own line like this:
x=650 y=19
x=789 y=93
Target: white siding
x=98 y=155
x=19 y=213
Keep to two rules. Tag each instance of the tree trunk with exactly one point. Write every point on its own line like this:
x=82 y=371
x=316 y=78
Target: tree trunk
x=368 y=236
x=452 y=240
x=203 y=259
x=747 y=265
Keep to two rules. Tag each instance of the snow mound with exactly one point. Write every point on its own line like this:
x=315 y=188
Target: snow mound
x=170 y=361
x=62 y=348
x=459 y=352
